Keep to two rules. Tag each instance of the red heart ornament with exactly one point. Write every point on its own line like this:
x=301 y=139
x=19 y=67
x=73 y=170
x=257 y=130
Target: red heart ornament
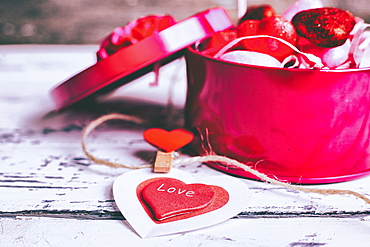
x=168 y=197
x=231 y=197
x=168 y=140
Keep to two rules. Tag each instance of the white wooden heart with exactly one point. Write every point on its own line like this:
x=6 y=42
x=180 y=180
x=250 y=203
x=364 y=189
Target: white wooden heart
x=124 y=191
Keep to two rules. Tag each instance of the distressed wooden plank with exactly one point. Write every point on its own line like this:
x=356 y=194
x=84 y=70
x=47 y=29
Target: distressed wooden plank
x=297 y=232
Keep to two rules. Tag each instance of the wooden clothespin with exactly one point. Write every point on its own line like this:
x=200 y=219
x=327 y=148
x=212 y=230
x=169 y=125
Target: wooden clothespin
x=167 y=142
x=163 y=162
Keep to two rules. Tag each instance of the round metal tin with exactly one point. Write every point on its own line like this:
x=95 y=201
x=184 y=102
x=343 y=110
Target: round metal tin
x=295 y=125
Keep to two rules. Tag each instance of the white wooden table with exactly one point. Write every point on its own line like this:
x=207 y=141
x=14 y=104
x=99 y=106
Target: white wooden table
x=51 y=195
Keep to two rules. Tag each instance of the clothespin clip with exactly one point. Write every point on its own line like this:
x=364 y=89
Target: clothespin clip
x=167 y=142
x=163 y=162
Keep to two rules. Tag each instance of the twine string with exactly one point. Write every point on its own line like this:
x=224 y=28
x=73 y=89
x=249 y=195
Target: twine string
x=203 y=159
x=92 y=125
x=264 y=177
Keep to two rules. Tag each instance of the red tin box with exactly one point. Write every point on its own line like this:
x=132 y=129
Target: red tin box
x=296 y=125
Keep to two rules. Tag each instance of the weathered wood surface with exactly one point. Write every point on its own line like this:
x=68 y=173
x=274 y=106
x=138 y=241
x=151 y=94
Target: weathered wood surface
x=52 y=195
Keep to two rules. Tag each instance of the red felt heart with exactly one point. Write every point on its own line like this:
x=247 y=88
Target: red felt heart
x=230 y=198
x=168 y=140
x=168 y=197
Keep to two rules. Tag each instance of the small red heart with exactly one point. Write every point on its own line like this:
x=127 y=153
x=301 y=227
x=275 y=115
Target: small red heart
x=168 y=140
x=168 y=197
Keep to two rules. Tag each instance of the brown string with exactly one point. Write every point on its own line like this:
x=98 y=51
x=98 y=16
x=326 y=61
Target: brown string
x=208 y=158
x=264 y=177
x=91 y=126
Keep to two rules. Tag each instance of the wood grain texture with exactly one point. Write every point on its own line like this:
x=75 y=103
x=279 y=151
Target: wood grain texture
x=297 y=232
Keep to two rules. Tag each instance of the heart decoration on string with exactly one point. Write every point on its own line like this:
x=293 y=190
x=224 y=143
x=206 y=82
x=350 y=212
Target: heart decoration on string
x=168 y=140
x=174 y=210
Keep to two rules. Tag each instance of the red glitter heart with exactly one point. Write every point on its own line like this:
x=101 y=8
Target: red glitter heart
x=171 y=198
x=168 y=140
x=325 y=27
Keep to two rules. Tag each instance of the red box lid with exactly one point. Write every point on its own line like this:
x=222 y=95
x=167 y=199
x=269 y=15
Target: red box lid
x=138 y=59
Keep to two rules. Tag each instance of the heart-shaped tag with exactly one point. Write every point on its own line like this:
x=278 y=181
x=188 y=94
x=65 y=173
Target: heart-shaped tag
x=230 y=198
x=169 y=197
x=168 y=140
